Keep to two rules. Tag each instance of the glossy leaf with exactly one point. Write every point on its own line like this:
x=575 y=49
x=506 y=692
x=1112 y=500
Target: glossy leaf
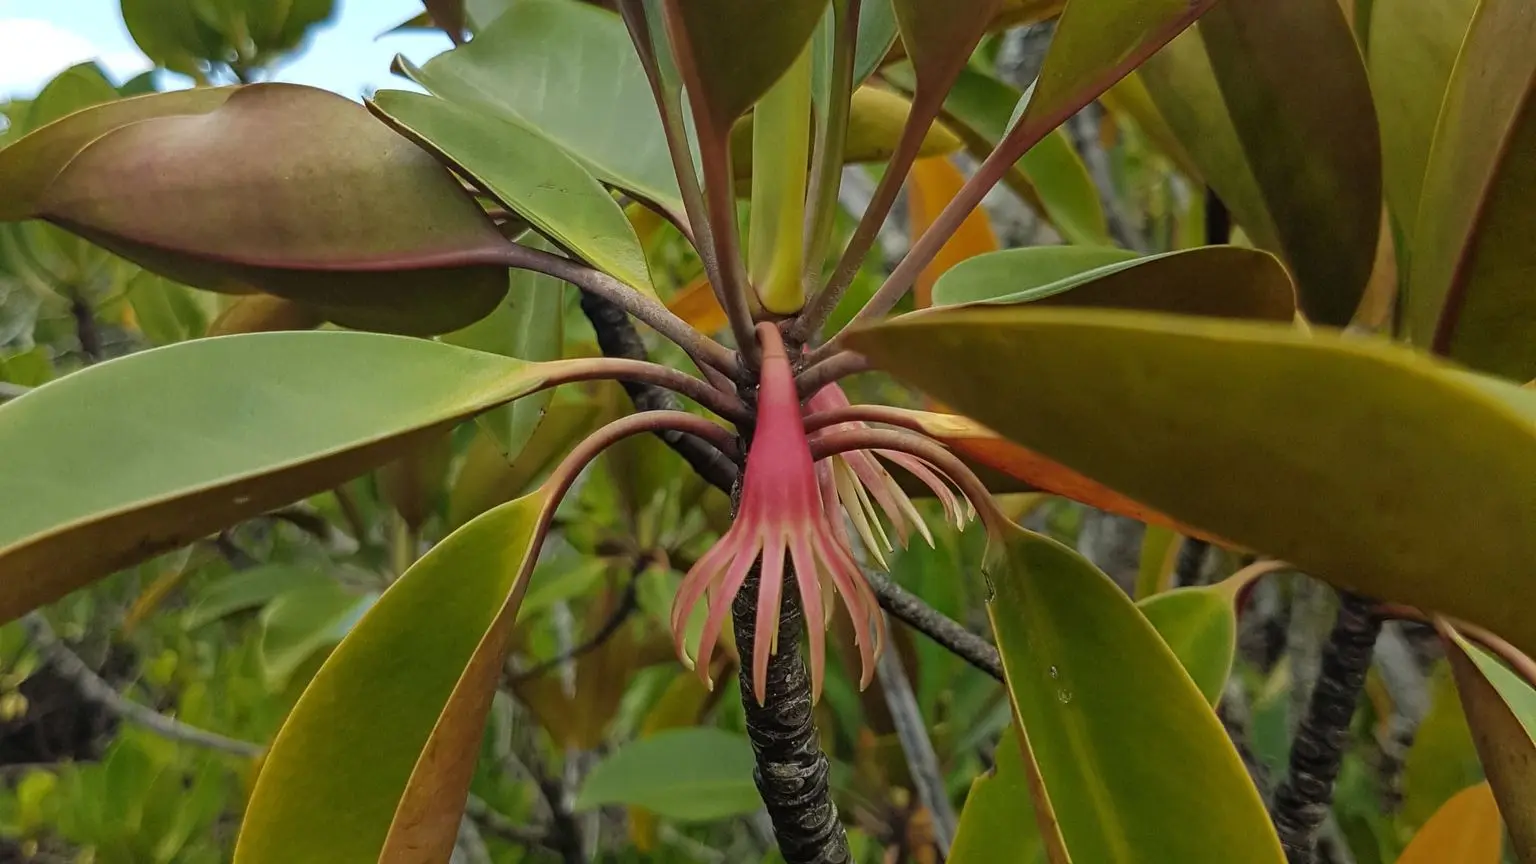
x=1079 y=659
x=1413 y=46
x=1466 y=830
x=29 y=164
x=1214 y=281
x=1501 y=710
x=731 y=51
x=528 y=174
x=570 y=71
x=292 y=191
x=374 y=761
x=1051 y=176
x=209 y=432
x=1305 y=131
x=1200 y=626
x=931 y=185
x=997 y=825
x=1468 y=287
x=697 y=774
x=1304 y=418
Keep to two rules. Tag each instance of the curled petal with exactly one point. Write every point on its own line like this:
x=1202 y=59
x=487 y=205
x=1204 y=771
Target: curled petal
x=953 y=509
x=847 y=577
x=698 y=580
x=861 y=513
x=720 y=610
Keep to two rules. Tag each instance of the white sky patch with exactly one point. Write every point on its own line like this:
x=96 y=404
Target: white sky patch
x=33 y=51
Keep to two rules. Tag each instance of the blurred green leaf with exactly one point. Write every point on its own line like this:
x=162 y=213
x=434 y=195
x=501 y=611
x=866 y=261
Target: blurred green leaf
x=165 y=311
x=247 y=589
x=301 y=621
x=696 y=774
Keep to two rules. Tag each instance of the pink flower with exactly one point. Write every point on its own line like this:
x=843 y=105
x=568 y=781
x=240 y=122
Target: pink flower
x=782 y=515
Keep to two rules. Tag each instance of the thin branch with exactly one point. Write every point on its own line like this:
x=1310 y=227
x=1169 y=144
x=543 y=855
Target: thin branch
x=943 y=630
x=727 y=405
x=922 y=761
x=829 y=371
x=629 y=604
x=617 y=338
x=1305 y=796
x=703 y=350
x=90 y=686
x=498 y=825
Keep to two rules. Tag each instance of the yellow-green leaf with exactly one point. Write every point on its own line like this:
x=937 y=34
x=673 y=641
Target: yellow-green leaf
x=1215 y=281
x=135 y=456
x=1501 y=710
x=997 y=825
x=1465 y=831
x=1413 y=46
x=1079 y=660
x=1296 y=445
x=374 y=762
x=1469 y=291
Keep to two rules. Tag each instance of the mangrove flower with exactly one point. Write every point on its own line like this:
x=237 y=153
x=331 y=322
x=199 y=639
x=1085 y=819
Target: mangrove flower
x=781 y=518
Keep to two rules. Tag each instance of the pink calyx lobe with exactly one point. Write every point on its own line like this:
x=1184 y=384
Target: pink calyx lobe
x=782 y=519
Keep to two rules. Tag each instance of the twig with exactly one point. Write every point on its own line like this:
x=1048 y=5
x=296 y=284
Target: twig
x=946 y=632
x=830 y=371
x=922 y=762
x=1303 y=800
x=90 y=686
x=703 y=350
x=617 y=337
x=629 y=603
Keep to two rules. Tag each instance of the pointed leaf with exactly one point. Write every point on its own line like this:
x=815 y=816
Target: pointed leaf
x=1466 y=830
x=529 y=175
x=296 y=192
x=1413 y=46
x=1079 y=659
x=570 y=71
x=1200 y=626
x=939 y=36
x=698 y=774
x=184 y=440
x=374 y=762
x=931 y=185
x=877 y=33
x=1214 y=281
x=1284 y=421
x=1305 y=128
x=1501 y=709
x=1051 y=176
x=29 y=164
x=1469 y=294
x=731 y=51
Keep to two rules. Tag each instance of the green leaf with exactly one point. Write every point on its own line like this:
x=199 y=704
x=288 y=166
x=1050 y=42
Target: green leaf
x=1200 y=626
x=247 y=589
x=29 y=164
x=1501 y=709
x=1050 y=173
x=75 y=89
x=1469 y=295
x=527 y=174
x=165 y=312
x=293 y=191
x=1300 y=123
x=376 y=757
x=570 y=71
x=1323 y=424
x=170 y=33
x=165 y=446
x=997 y=825
x=1079 y=660
x=939 y=36
x=302 y=621
x=1215 y=281
x=877 y=33
x=1413 y=46
x=731 y=51
x=697 y=774
x=528 y=324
